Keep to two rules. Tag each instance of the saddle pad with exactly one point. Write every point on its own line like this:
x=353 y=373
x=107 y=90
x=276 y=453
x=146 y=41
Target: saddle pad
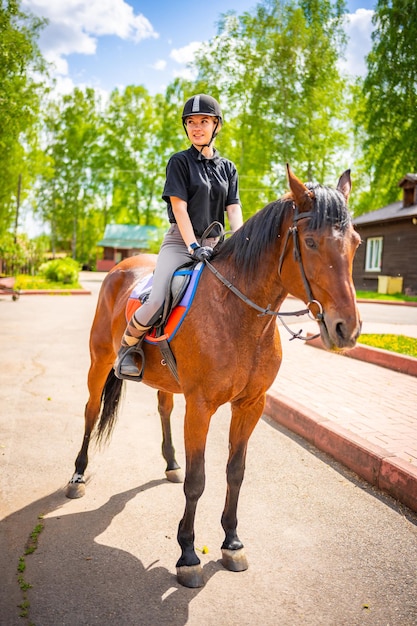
x=178 y=314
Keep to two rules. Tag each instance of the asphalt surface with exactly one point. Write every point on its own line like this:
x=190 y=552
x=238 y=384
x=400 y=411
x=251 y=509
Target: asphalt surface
x=324 y=546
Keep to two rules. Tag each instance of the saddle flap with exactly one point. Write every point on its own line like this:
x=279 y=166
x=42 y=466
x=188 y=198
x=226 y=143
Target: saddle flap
x=178 y=300
x=175 y=291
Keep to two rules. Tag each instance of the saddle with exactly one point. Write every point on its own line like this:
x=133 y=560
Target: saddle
x=179 y=296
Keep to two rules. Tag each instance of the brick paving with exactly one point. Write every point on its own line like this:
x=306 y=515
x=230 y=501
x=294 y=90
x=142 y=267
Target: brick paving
x=363 y=414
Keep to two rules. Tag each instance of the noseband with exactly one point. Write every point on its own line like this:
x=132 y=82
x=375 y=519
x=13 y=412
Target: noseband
x=293 y=230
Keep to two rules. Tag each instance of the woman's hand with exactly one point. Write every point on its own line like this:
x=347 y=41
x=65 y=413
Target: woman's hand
x=202 y=253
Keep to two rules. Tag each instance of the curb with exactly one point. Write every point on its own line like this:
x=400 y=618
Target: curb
x=54 y=292
x=391 y=360
x=377 y=466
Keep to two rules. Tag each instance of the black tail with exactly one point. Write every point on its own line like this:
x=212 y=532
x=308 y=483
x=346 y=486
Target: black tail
x=110 y=402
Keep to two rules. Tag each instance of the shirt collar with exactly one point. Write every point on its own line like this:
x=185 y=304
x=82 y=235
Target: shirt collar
x=200 y=157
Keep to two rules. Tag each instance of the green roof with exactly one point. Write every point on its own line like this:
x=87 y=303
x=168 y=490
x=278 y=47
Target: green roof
x=125 y=237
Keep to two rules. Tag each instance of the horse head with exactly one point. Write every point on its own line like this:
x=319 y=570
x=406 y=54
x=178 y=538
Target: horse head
x=324 y=244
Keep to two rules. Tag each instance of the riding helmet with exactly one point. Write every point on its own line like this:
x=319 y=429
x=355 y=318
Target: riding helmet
x=202 y=104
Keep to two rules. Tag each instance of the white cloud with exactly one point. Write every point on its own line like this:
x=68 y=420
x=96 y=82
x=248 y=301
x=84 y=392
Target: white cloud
x=358 y=29
x=186 y=54
x=186 y=73
x=74 y=26
x=160 y=65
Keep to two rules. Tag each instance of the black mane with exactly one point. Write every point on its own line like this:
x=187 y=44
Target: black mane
x=260 y=231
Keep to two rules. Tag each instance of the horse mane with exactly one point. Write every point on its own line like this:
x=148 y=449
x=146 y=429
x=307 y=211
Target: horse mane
x=247 y=245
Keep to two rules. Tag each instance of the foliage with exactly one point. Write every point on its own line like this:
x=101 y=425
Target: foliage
x=36 y=283
x=20 y=254
x=65 y=193
x=60 y=270
x=20 y=59
x=387 y=119
x=276 y=72
x=393 y=343
x=274 y=69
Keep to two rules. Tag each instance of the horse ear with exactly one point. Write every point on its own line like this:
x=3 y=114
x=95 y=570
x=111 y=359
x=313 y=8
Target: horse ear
x=302 y=196
x=345 y=185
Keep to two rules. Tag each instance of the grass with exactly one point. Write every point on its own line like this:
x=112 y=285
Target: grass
x=38 y=282
x=31 y=546
x=395 y=297
x=394 y=343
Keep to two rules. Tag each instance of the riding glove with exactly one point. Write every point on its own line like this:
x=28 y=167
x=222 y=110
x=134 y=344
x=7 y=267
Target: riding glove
x=202 y=253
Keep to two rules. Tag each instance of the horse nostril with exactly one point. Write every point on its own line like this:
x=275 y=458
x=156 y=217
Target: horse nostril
x=340 y=330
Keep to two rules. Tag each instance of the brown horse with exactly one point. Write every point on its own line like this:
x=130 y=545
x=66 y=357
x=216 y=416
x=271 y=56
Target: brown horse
x=226 y=351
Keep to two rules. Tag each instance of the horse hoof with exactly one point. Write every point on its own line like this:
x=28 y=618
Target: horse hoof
x=190 y=576
x=234 y=560
x=75 y=490
x=174 y=475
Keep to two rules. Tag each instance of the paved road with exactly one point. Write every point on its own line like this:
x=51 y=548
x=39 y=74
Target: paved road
x=324 y=547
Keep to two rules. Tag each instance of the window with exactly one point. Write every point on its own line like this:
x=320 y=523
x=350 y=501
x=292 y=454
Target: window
x=373 y=260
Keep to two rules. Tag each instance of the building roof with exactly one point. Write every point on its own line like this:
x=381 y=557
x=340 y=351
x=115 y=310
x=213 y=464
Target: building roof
x=126 y=237
x=403 y=209
x=394 y=211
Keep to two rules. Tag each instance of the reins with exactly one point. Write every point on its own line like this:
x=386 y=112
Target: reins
x=263 y=311
x=293 y=230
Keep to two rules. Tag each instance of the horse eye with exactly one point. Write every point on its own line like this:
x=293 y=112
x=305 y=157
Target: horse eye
x=310 y=243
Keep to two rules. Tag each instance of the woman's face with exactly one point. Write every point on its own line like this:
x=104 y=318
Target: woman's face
x=200 y=129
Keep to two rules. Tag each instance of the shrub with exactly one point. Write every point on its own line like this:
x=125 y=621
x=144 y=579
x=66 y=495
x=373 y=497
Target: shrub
x=61 y=270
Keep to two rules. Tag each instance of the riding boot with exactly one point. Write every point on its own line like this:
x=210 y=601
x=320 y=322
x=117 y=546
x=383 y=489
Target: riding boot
x=125 y=364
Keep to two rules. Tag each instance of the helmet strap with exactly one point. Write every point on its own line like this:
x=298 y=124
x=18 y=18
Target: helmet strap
x=207 y=145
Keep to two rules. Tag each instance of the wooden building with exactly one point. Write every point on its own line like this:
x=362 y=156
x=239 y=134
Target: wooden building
x=121 y=241
x=386 y=261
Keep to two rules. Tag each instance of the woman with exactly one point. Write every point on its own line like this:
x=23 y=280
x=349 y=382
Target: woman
x=200 y=186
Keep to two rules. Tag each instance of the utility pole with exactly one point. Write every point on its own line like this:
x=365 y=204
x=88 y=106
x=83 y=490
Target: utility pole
x=16 y=224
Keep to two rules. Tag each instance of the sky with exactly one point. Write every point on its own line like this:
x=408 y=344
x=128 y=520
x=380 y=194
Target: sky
x=114 y=43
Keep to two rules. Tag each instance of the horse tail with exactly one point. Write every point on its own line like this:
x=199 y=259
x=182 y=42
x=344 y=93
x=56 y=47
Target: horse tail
x=110 y=402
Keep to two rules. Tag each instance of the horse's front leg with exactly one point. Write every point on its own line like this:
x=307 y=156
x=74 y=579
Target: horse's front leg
x=189 y=571
x=165 y=406
x=244 y=420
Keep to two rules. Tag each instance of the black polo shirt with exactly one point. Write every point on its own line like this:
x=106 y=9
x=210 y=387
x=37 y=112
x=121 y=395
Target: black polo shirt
x=208 y=186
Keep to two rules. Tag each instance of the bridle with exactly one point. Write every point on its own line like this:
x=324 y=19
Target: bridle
x=319 y=317
x=293 y=230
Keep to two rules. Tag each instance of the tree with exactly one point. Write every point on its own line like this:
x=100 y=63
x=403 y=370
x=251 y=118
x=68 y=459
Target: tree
x=105 y=163
x=131 y=155
x=276 y=72
x=65 y=191
x=388 y=116
x=19 y=103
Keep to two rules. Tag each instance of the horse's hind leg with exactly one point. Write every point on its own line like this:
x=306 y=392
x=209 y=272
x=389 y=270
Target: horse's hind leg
x=165 y=406
x=244 y=420
x=97 y=378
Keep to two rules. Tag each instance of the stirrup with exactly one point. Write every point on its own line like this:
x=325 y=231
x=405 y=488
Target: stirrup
x=119 y=363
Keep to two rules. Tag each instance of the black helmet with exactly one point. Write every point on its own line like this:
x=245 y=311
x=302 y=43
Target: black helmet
x=202 y=105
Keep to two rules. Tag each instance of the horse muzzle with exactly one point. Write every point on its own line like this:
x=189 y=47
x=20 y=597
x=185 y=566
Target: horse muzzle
x=340 y=333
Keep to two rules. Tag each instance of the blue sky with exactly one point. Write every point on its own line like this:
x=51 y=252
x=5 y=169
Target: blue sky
x=114 y=43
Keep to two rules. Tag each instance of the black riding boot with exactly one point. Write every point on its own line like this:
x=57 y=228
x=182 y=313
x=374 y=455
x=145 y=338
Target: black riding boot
x=125 y=365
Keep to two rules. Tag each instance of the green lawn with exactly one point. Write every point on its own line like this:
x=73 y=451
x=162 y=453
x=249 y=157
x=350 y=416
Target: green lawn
x=37 y=282
x=394 y=343
x=373 y=295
